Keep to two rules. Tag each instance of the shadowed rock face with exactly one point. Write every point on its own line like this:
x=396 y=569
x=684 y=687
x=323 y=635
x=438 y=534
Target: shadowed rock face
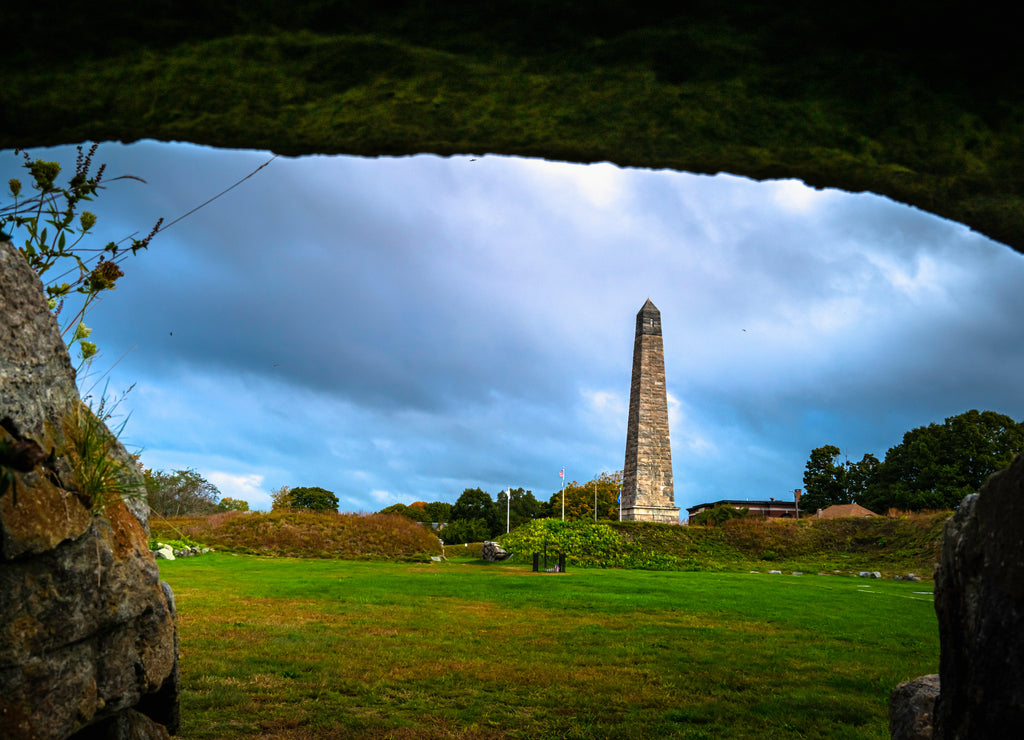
x=912 y=709
x=919 y=101
x=979 y=599
x=87 y=630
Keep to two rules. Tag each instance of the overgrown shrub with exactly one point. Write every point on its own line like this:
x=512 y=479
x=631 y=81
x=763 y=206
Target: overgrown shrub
x=586 y=544
x=720 y=514
x=306 y=534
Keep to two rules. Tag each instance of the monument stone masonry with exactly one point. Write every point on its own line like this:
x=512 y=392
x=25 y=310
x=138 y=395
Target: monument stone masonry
x=647 y=493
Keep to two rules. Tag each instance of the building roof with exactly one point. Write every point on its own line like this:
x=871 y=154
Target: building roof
x=739 y=503
x=840 y=510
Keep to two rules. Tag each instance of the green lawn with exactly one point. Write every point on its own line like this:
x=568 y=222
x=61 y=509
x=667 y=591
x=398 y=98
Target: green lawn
x=303 y=648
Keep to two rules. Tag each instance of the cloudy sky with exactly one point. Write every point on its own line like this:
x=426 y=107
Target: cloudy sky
x=397 y=330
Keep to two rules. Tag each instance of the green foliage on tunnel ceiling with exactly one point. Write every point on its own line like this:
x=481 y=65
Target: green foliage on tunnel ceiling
x=919 y=101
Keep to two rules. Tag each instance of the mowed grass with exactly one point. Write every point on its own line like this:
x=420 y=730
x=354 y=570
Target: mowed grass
x=300 y=648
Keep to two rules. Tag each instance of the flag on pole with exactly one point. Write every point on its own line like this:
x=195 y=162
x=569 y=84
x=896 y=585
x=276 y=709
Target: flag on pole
x=561 y=473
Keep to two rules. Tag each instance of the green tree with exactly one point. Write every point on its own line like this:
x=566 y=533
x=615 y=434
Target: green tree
x=825 y=480
x=180 y=493
x=579 y=498
x=475 y=503
x=935 y=466
x=860 y=476
x=313 y=498
x=281 y=499
x=232 y=504
x=523 y=507
x=439 y=511
x=417 y=511
x=420 y=511
x=465 y=530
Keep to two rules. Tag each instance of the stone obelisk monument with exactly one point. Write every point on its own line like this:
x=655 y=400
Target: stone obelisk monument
x=647 y=493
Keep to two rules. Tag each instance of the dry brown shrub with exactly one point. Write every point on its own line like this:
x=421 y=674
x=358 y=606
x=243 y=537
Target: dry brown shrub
x=312 y=534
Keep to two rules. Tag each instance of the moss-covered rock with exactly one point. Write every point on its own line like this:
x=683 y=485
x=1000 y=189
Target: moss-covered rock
x=87 y=630
x=919 y=102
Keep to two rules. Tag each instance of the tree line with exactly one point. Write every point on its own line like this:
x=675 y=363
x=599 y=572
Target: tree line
x=185 y=493
x=934 y=466
x=476 y=516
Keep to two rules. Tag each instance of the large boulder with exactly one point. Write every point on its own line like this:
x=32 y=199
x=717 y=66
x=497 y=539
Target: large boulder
x=979 y=599
x=912 y=708
x=493 y=552
x=87 y=630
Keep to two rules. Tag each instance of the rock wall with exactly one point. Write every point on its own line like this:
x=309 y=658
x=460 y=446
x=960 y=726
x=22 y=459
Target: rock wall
x=979 y=599
x=87 y=630
x=923 y=108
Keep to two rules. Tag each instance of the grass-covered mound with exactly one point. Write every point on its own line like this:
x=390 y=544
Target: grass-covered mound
x=906 y=544
x=909 y=542
x=889 y=544
x=305 y=534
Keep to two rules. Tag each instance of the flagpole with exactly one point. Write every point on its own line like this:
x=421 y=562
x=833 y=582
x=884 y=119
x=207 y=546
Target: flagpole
x=562 y=474
x=508 y=510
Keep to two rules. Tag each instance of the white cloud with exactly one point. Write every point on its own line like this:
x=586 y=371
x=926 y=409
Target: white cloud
x=596 y=186
x=247 y=487
x=796 y=197
x=684 y=432
x=606 y=404
x=428 y=324
x=921 y=279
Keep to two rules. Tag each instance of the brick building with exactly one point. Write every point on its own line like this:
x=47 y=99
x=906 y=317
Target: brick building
x=770 y=509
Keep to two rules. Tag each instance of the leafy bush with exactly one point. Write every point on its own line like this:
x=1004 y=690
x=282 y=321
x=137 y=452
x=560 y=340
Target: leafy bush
x=911 y=544
x=720 y=514
x=584 y=543
x=182 y=543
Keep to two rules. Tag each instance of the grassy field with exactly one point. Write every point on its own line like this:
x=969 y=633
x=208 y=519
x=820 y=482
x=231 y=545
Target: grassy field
x=323 y=648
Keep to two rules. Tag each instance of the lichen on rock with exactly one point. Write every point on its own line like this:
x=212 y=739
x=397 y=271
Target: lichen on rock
x=87 y=630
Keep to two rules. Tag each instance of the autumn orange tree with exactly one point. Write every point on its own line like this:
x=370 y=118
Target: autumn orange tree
x=579 y=498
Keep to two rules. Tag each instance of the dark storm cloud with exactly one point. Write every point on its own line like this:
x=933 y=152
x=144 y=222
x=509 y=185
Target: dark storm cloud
x=396 y=330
